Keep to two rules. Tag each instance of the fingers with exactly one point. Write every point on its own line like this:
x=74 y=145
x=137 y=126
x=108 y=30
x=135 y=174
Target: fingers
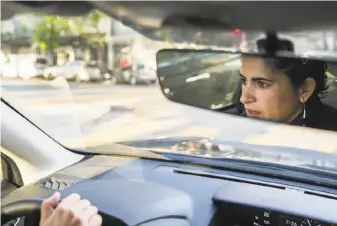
x=78 y=212
x=87 y=213
x=80 y=206
x=96 y=220
x=49 y=204
x=82 y=210
x=71 y=199
x=52 y=200
x=64 y=215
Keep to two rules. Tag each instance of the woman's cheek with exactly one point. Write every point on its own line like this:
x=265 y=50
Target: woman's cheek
x=268 y=102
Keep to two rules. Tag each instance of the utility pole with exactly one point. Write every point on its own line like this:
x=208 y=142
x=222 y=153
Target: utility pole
x=51 y=43
x=110 y=44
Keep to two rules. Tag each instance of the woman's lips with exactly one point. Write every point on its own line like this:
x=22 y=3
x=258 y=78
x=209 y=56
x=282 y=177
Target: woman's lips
x=252 y=114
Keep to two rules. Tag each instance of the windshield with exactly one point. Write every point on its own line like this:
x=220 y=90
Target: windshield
x=120 y=101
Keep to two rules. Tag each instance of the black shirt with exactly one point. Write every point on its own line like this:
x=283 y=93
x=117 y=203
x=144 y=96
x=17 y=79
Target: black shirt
x=318 y=116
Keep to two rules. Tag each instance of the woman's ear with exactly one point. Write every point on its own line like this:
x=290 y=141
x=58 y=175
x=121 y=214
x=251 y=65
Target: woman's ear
x=307 y=89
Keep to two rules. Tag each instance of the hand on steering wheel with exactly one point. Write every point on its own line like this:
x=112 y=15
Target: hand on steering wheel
x=70 y=211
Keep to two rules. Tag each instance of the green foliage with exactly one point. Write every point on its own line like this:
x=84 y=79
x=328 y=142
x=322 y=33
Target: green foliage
x=49 y=30
x=165 y=35
x=94 y=18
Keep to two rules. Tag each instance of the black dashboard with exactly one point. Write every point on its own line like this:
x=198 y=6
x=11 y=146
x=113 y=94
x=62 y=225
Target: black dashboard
x=143 y=192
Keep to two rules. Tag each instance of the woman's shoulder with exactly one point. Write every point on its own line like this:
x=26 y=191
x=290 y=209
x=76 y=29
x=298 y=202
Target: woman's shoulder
x=329 y=111
x=325 y=118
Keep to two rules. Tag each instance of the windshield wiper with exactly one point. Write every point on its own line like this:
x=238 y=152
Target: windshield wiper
x=227 y=162
x=256 y=168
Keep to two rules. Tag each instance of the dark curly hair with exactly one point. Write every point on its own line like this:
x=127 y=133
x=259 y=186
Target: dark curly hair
x=298 y=70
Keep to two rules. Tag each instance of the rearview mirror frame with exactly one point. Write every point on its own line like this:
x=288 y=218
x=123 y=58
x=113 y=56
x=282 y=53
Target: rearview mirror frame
x=160 y=65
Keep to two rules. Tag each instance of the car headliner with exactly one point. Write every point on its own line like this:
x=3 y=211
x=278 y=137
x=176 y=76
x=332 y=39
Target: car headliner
x=146 y=17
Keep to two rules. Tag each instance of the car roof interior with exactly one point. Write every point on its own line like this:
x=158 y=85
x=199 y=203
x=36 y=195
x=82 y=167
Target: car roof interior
x=227 y=15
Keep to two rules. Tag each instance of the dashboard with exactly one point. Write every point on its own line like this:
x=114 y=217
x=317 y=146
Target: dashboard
x=144 y=192
x=232 y=214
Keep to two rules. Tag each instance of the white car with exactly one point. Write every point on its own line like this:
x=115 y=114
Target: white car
x=143 y=74
x=75 y=70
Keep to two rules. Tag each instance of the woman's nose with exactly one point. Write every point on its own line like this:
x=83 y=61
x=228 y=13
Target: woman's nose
x=246 y=95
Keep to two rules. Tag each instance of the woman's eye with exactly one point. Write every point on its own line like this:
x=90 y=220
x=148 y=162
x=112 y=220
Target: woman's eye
x=262 y=84
x=243 y=81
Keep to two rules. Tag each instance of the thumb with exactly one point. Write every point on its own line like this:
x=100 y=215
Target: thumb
x=49 y=204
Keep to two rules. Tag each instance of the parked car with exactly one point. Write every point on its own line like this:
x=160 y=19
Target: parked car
x=40 y=64
x=143 y=73
x=74 y=71
x=104 y=70
x=137 y=74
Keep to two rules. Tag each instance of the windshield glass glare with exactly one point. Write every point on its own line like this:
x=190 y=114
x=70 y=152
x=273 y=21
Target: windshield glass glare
x=93 y=82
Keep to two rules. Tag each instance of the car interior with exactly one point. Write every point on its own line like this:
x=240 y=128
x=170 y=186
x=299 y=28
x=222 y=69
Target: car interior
x=144 y=188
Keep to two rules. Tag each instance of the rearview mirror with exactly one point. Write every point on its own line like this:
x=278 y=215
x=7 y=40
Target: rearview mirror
x=250 y=85
x=202 y=79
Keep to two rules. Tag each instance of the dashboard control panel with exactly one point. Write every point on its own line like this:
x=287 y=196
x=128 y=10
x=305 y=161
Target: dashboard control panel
x=241 y=215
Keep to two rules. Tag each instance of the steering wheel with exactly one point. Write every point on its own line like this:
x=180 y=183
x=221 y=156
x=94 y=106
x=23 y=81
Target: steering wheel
x=27 y=207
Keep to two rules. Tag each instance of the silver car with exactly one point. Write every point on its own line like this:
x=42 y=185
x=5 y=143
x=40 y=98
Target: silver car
x=75 y=71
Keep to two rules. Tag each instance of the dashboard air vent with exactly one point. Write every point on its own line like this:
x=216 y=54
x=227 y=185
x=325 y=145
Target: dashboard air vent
x=56 y=183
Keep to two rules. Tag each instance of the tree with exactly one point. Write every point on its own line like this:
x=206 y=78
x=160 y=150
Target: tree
x=164 y=35
x=48 y=32
x=94 y=19
x=87 y=27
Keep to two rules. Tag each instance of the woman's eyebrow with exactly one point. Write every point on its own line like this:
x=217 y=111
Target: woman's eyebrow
x=256 y=78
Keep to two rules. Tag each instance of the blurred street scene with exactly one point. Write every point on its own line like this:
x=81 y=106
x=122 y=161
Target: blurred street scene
x=91 y=80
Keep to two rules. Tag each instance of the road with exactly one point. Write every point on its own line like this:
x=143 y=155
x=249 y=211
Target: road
x=100 y=113
x=82 y=115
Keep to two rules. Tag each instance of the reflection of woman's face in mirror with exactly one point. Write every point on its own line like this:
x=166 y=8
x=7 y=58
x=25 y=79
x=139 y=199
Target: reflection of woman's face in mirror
x=267 y=94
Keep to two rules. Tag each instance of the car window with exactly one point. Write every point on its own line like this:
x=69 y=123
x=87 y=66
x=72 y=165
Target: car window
x=77 y=63
x=41 y=61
